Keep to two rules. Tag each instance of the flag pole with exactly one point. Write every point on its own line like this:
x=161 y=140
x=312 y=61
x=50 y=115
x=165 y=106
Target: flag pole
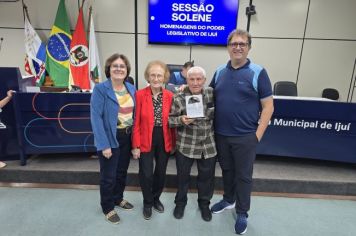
x=90 y=12
x=88 y=37
x=25 y=12
x=89 y=20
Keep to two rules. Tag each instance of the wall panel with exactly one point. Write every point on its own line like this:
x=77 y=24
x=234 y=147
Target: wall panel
x=326 y=64
x=332 y=19
x=279 y=57
x=11 y=14
x=114 y=15
x=279 y=18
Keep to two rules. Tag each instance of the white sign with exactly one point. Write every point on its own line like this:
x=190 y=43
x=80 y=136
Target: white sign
x=194 y=105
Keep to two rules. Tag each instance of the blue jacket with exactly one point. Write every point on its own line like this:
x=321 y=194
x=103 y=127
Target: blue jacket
x=104 y=109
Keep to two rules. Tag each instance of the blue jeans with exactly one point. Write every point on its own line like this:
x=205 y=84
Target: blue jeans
x=113 y=172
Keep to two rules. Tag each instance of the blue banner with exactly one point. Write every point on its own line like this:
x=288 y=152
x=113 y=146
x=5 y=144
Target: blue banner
x=203 y=22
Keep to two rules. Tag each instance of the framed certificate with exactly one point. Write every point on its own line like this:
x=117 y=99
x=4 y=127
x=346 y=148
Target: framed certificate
x=194 y=105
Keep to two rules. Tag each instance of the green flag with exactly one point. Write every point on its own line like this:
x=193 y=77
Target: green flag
x=58 y=48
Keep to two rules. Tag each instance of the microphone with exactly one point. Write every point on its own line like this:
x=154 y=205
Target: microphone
x=1 y=39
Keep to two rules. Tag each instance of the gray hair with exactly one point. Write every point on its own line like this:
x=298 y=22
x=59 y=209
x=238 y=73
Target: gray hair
x=196 y=69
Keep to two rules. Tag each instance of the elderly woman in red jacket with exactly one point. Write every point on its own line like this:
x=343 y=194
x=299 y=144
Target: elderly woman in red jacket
x=151 y=136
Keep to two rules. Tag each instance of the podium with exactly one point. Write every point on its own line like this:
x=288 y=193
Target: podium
x=40 y=123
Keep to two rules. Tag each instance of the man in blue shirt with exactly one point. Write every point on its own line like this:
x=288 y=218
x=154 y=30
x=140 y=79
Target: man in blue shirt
x=243 y=109
x=179 y=78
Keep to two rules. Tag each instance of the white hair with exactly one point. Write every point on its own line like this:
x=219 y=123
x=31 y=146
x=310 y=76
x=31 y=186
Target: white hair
x=196 y=69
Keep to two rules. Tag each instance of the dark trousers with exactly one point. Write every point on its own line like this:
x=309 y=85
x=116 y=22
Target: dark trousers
x=152 y=179
x=113 y=172
x=205 y=180
x=124 y=139
x=236 y=157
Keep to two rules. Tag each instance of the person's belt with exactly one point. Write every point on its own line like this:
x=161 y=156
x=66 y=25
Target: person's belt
x=126 y=130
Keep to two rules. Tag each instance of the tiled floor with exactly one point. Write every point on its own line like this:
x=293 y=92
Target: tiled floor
x=40 y=211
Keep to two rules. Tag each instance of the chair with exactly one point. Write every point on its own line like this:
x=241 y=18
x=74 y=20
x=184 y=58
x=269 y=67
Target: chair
x=285 y=88
x=330 y=93
x=174 y=68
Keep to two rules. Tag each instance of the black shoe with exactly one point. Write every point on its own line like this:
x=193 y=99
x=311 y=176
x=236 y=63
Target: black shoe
x=112 y=217
x=147 y=213
x=123 y=204
x=158 y=206
x=205 y=213
x=178 y=212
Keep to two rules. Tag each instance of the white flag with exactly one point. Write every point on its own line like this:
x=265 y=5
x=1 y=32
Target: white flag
x=35 y=53
x=94 y=61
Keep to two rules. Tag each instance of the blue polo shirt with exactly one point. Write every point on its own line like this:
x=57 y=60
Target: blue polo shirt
x=177 y=79
x=237 y=98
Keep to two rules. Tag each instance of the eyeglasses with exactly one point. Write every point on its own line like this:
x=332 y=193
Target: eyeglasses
x=153 y=76
x=118 y=66
x=236 y=45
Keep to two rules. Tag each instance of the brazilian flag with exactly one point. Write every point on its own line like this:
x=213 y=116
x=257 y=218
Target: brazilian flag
x=58 y=48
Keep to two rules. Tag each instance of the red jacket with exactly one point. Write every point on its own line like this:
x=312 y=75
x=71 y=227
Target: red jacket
x=144 y=120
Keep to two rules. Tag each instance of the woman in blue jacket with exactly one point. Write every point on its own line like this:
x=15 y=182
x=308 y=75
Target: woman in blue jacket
x=111 y=109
